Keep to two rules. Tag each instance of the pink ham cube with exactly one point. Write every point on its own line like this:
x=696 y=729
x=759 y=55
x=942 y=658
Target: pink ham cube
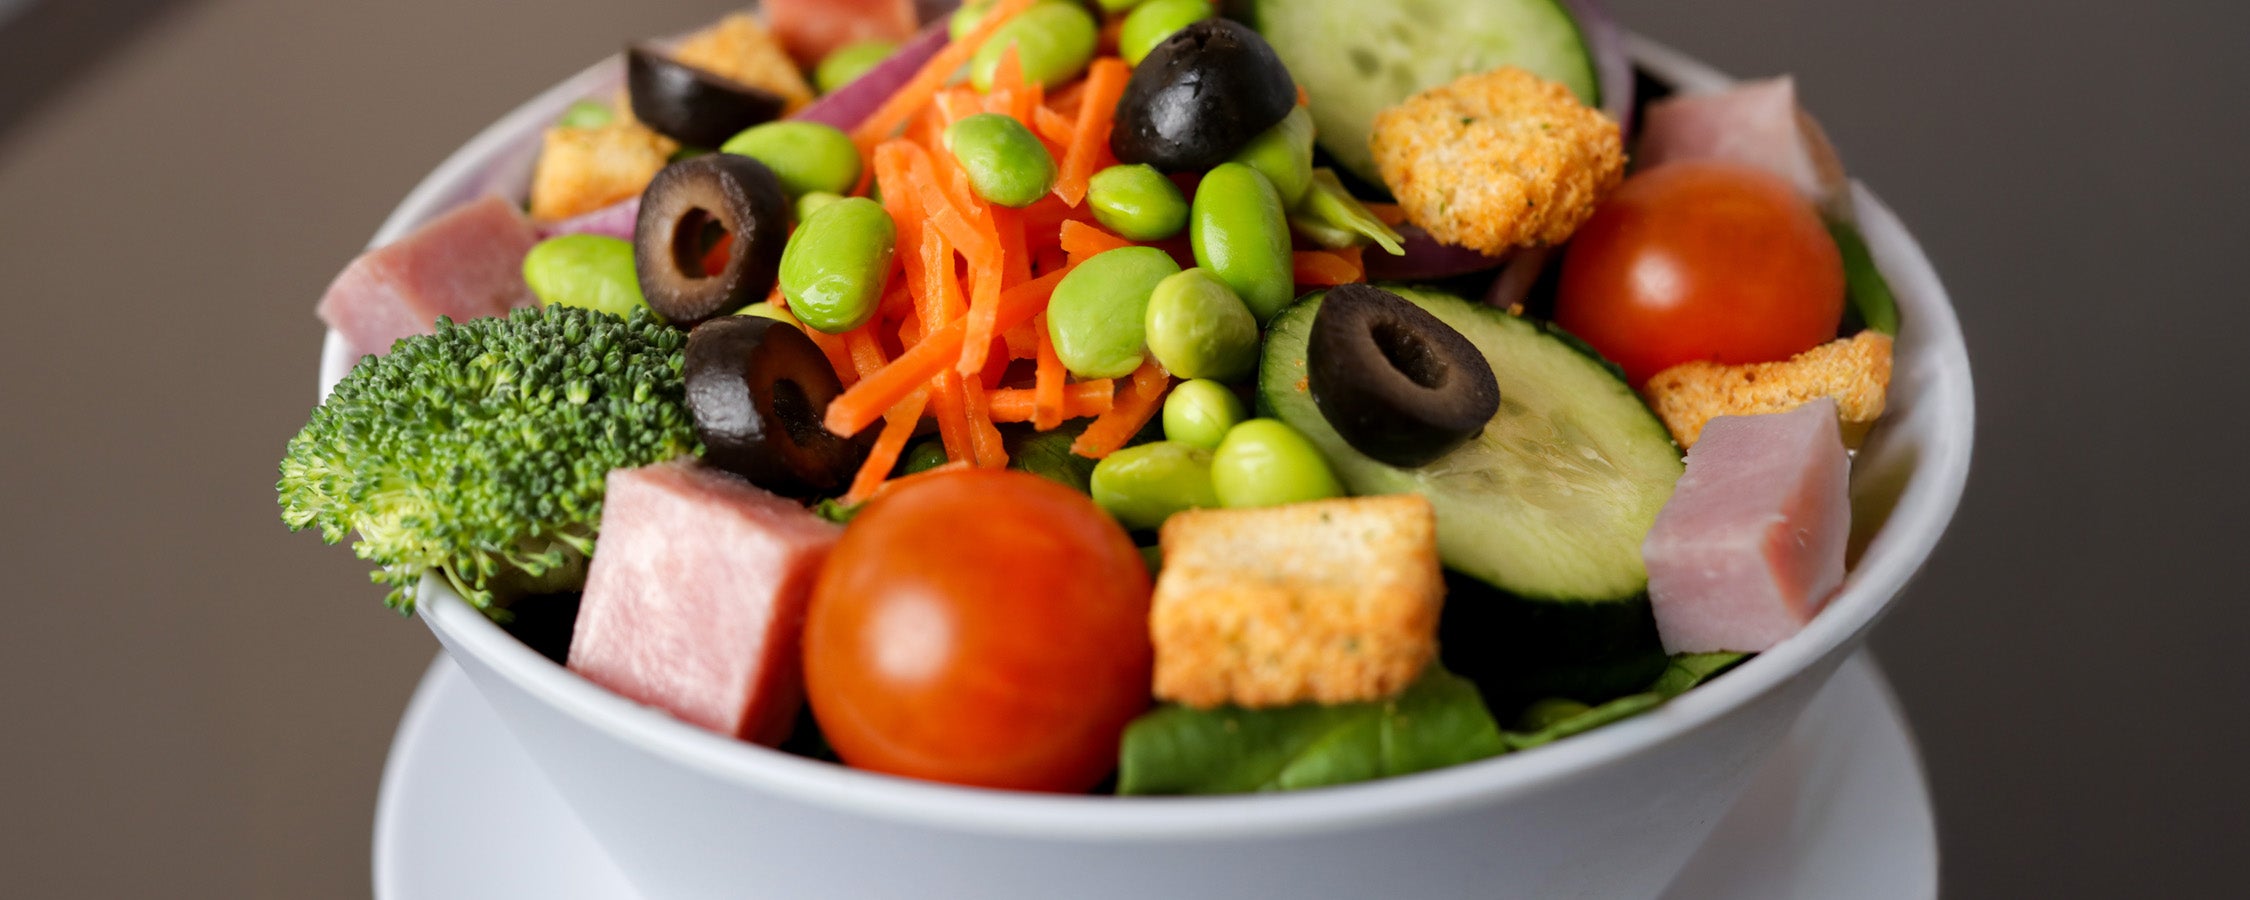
x=466 y=264
x=696 y=598
x=1752 y=542
x=1755 y=123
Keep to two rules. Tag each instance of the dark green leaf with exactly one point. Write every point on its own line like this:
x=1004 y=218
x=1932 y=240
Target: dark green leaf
x=1871 y=303
x=1615 y=710
x=1438 y=721
x=1690 y=669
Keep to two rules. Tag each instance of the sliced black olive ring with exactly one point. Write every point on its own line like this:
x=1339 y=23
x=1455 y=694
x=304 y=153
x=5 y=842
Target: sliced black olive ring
x=686 y=210
x=758 y=389
x=1398 y=384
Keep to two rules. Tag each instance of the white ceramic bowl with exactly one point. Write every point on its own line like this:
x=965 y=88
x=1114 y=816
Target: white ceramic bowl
x=1613 y=813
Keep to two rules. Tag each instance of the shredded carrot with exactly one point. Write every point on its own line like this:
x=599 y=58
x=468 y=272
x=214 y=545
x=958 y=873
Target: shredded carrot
x=1054 y=126
x=1386 y=213
x=985 y=438
x=839 y=355
x=1326 y=268
x=861 y=404
x=1105 y=84
x=1022 y=341
x=915 y=94
x=1047 y=383
x=1085 y=398
x=898 y=428
x=866 y=351
x=950 y=405
x=1081 y=240
x=1015 y=257
x=1065 y=99
x=1136 y=404
x=1304 y=98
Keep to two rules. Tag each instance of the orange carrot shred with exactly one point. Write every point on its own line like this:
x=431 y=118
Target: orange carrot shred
x=866 y=351
x=1047 y=382
x=1085 y=398
x=1105 y=84
x=991 y=454
x=861 y=404
x=1022 y=341
x=950 y=406
x=1015 y=259
x=1136 y=404
x=933 y=75
x=839 y=355
x=1324 y=268
x=1081 y=240
x=898 y=428
x=1386 y=213
x=1054 y=126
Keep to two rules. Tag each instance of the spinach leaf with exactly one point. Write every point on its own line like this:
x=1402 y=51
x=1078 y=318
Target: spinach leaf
x=1621 y=708
x=1868 y=295
x=1690 y=669
x=1438 y=721
x=1047 y=455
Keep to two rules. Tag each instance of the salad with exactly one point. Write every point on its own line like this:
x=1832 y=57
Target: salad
x=1125 y=397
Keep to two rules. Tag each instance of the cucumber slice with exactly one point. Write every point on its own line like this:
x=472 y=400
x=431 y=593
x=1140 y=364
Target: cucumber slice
x=1356 y=58
x=1552 y=501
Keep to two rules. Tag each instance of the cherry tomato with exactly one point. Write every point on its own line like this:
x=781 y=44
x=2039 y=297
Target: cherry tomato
x=981 y=627
x=1701 y=260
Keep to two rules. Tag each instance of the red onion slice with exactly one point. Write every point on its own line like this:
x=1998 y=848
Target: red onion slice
x=854 y=102
x=1613 y=67
x=1425 y=258
x=615 y=220
x=1515 y=281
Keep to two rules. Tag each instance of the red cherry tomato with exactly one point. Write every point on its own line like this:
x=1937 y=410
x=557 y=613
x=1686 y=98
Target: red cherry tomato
x=981 y=627
x=1701 y=260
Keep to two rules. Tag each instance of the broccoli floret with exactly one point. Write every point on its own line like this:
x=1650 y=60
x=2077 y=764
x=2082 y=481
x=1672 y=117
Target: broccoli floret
x=480 y=451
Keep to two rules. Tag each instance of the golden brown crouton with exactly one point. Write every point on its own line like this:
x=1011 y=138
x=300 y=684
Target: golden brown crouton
x=584 y=169
x=739 y=48
x=1856 y=371
x=1334 y=601
x=1498 y=160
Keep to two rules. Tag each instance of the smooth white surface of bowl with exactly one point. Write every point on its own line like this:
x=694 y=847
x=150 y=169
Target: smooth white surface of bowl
x=1612 y=813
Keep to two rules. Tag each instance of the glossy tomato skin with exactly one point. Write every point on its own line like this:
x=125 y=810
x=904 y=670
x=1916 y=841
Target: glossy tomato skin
x=1701 y=260
x=985 y=628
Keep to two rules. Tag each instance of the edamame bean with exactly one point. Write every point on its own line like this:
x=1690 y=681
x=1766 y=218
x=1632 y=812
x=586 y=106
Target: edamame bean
x=924 y=456
x=1006 y=162
x=1137 y=202
x=1197 y=328
x=1198 y=413
x=1283 y=154
x=965 y=19
x=807 y=156
x=833 y=269
x=769 y=311
x=1142 y=486
x=1263 y=462
x=1095 y=316
x=1053 y=41
x=812 y=201
x=1239 y=234
x=1117 y=6
x=1151 y=22
x=844 y=65
x=591 y=271
x=587 y=114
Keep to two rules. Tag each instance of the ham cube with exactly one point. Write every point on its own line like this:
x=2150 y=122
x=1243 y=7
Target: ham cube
x=1756 y=123
x=466 y=264
x=696 y=598
x=812 y=29
x=1752 y=542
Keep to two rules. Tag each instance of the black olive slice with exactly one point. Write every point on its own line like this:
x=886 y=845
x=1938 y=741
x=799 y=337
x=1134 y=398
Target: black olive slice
x=758 y=389
x=687 y=208
x=1397 y=384
x=690 y=105
x=1199 y=96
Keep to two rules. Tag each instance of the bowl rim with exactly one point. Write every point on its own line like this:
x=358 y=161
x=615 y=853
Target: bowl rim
x=1917 y=521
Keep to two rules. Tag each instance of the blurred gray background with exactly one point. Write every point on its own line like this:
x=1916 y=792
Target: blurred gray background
x=197 y=703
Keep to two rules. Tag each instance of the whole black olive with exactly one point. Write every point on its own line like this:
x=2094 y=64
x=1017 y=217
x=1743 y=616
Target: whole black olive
x=686 y=209
x=1199 y=96
x=758 y=389
x=1397 y=384
x=690 y=105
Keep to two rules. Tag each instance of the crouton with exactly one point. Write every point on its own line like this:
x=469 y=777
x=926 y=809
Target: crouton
x=738 y=47
x=584 y=169
x=1855 y=371
x=1334 y=601
x=1499 y=160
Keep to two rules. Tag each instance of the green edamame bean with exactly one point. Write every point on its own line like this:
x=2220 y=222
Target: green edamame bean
x=1117 y=6
x=587 y=114
x=845 y=64
x=1239 y=234
x=1006 y=162
x=1263 y=462
x=1137 y=202
x=1053 y=41
x=1197 y=328
x=812 y=201
x=924 y=456
x=965 y=19
x=1199 y=412
x=766 y=310
x=1142 y=486
x=1151 y=22
x=1095 y=316
x=591 y=271
x=1283 y=154
x=833 y=269
x=807 y=156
